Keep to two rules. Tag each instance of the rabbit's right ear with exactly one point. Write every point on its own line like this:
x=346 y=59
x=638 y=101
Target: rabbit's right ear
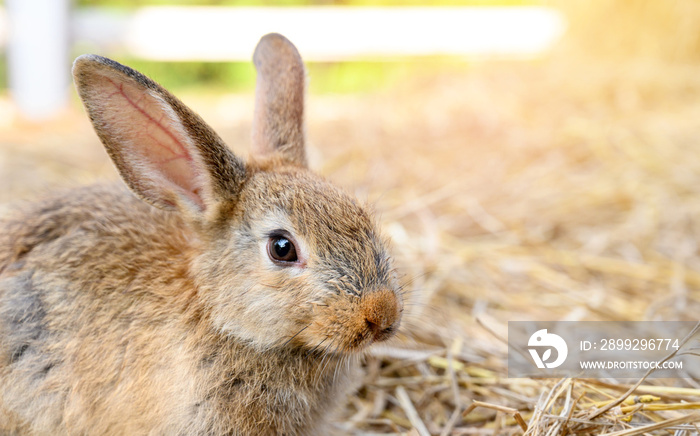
x=278 y=122
x=165 y=153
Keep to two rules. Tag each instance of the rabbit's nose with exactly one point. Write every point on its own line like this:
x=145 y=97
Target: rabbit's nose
x=382 y=312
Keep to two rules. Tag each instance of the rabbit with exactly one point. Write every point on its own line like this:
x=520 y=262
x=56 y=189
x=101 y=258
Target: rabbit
x=205 y=295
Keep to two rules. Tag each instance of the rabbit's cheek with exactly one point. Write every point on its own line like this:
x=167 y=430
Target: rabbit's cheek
x=256 y=312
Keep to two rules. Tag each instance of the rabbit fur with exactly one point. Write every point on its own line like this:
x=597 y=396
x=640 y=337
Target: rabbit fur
x=163 y=312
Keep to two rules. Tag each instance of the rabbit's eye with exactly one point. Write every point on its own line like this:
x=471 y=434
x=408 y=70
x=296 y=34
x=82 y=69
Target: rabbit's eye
x=281 y=249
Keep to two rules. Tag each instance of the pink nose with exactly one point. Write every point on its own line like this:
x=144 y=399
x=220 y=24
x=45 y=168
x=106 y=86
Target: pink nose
x=382 y=312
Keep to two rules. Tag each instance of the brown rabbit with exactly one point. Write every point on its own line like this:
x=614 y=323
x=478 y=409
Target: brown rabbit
x=230 y=297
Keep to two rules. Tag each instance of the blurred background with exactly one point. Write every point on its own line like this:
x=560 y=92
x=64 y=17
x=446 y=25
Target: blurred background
x=530 y=160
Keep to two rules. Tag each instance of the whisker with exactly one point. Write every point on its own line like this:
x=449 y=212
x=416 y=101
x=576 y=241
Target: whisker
x=324 y=361
x=267 y=285
x=326 y=358
x=338 y=363
x=316 y=347
x=296 y=334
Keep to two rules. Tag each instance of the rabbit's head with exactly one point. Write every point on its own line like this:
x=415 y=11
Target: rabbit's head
x=280 y=256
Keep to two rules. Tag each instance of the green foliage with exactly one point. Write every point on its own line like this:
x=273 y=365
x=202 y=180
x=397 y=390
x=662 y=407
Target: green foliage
x=324 y=77
x=359 y=77
x=233 y=76
x=348 y=77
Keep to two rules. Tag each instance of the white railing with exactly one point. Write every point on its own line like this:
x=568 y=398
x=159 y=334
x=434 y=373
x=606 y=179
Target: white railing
x=39 y=42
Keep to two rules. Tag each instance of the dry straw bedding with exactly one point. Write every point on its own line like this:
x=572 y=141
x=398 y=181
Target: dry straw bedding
x=560 y=190
x=563 y=189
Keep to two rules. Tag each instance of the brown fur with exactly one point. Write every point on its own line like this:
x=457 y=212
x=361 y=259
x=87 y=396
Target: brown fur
x=118 y=317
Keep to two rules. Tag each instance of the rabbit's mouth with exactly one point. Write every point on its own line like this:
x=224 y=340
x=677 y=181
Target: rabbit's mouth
x=381 y=334
x=374 y=317
x=351 y=325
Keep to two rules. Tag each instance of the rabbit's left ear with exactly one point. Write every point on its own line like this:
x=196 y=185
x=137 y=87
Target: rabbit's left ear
x=278 y=122
x=163 y=150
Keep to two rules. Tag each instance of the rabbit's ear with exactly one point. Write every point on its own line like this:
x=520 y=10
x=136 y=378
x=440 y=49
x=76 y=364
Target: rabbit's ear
x=162 y=149
x=278 y=123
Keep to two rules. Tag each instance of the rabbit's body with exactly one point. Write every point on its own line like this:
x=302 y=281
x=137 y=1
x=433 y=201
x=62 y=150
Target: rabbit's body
x=117 y=317
x=146 y=355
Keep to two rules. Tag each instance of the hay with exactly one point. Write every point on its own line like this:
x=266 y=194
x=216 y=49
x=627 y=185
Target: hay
x=565 y=189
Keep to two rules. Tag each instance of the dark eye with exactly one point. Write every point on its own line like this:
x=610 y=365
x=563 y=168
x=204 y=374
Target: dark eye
x=281 y=249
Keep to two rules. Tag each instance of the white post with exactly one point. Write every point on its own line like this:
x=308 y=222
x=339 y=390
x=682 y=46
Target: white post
x=37 y=54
